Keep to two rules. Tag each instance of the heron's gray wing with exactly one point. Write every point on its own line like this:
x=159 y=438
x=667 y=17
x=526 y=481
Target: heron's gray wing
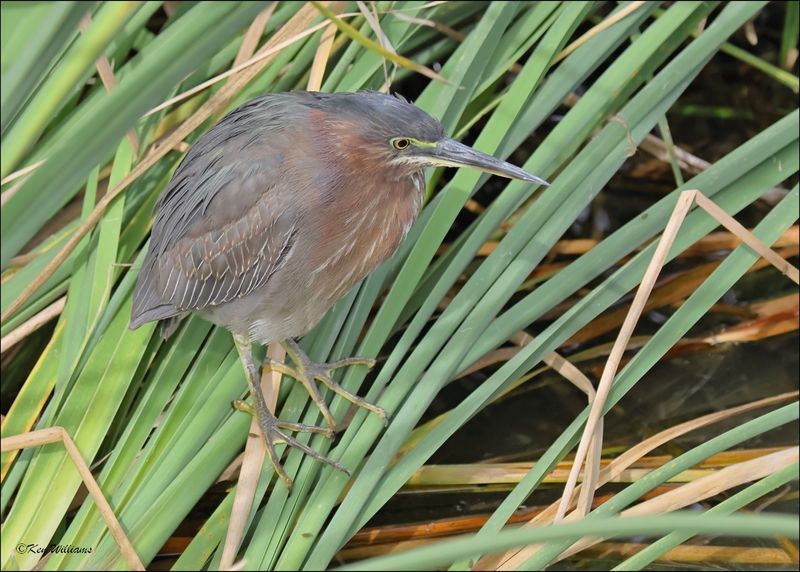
x=215 y=259
x=225 y=220
x=221 y=229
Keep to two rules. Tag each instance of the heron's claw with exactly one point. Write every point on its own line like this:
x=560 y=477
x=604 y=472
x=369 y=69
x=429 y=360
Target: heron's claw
x=271 y=431
x=244 y=407
x=308 y=373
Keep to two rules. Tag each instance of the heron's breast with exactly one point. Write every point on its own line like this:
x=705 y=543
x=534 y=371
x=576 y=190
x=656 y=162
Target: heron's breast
x=363 y=229
x=363 y=207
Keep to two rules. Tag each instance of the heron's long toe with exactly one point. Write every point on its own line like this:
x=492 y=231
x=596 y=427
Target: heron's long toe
x=308 y=373
x=271 y=432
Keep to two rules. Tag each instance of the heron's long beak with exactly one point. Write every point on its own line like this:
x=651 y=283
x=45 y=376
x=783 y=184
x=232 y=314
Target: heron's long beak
x=451 y=153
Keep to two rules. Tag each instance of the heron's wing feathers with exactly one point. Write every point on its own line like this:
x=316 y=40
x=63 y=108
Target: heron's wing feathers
x=221 y=231
x=227 y=217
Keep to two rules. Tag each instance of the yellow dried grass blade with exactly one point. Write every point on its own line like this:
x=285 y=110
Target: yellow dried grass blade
x=60 y=435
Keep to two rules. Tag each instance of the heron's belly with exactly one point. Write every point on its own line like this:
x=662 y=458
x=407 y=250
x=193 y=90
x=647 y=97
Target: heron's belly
x=294 y=300
x=271 y=315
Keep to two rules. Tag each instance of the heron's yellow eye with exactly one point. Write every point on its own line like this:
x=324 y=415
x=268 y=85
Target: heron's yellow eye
x=400 y=143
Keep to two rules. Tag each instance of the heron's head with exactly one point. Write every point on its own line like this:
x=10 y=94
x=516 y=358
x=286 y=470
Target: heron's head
x=405 y=139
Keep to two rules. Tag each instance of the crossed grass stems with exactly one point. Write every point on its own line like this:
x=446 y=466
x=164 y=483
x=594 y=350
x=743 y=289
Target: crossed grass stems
x=248 y=65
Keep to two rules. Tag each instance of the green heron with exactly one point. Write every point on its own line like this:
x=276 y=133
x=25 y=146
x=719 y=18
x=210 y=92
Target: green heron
x=277 y=211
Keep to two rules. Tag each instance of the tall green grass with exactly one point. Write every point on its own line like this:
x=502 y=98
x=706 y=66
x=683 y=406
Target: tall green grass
x=154 y=416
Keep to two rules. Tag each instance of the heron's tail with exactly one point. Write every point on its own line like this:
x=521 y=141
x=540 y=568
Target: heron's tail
x=168 y=326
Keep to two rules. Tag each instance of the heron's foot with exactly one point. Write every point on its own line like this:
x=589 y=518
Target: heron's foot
x=308 y=373
x=271 y=431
